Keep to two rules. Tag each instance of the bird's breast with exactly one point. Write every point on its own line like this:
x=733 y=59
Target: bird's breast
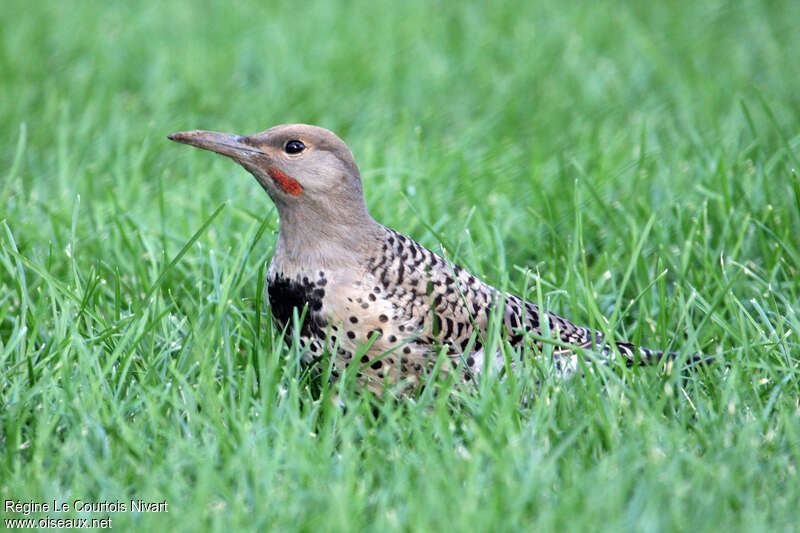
x=288 y=293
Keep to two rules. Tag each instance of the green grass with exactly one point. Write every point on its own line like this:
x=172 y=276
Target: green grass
x=636 y=161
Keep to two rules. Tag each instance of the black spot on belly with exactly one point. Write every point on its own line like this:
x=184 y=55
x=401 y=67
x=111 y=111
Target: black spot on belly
x=286 y=294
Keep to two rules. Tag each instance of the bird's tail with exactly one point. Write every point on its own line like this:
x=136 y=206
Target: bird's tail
x=640 y=356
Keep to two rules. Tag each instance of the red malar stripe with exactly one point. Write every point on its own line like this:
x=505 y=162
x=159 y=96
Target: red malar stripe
x=287 y=184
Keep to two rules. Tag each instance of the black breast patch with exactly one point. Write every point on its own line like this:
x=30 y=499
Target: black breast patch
x=287 y=294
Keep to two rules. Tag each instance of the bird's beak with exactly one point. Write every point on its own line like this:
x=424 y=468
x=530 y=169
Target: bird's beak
x=222 y=143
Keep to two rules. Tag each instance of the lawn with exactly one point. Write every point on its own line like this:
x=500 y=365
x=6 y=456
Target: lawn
x=635 y=165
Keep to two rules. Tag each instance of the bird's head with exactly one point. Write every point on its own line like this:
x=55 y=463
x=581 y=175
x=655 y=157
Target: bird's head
x=295 y=163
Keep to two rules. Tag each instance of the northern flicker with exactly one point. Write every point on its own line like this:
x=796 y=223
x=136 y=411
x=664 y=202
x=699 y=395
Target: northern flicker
x=371 y=296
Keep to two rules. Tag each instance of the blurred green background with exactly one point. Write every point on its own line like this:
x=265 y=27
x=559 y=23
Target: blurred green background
x=485 y=106
x=641 y=156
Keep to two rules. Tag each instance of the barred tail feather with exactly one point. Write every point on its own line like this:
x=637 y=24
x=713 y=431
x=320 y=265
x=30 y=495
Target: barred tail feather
x=638 y=355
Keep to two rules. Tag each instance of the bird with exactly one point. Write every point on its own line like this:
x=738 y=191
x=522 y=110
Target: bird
x=367 y=295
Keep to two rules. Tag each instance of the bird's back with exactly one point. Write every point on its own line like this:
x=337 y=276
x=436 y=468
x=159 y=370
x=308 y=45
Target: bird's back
x=403 y=305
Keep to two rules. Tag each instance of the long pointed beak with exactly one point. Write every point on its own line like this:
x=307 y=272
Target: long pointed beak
x=222 y=143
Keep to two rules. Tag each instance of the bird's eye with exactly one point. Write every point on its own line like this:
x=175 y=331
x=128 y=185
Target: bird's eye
x=294 y=147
